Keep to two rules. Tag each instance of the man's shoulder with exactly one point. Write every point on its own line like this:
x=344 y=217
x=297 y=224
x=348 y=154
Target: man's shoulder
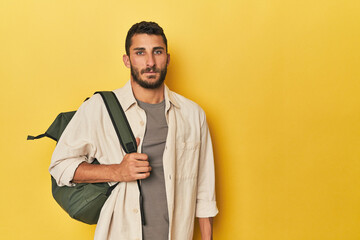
x=185 y=104
x=92 y=106
x=96 y=101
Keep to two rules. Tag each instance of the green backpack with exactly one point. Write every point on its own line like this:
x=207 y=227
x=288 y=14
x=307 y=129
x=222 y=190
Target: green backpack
x=84 y=201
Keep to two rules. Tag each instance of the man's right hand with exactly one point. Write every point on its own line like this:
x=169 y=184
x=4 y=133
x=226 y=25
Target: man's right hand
x=134 y=166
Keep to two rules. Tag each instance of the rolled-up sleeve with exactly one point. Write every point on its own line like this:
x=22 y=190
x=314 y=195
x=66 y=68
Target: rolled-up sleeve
x=74 y=146
x=206 y=200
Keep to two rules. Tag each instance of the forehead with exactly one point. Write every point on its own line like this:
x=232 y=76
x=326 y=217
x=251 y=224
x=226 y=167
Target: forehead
x=147 y=41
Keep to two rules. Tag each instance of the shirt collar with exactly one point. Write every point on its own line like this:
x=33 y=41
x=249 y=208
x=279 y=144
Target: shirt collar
x=169 y=98
x=127 y=98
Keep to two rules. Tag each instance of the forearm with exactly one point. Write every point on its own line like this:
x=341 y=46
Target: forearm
x=93 y=173
x=133 y=166
x=206 y=228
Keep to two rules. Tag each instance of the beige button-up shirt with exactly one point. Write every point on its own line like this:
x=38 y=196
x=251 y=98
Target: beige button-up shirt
x=188 y=163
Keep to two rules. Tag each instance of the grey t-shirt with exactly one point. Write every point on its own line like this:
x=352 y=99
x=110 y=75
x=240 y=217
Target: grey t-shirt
x=153 y=187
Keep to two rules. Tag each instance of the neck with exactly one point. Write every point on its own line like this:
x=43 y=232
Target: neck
x=145 y=95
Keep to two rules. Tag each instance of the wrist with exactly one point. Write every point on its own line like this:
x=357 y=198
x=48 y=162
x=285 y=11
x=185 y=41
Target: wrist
x=112 y=173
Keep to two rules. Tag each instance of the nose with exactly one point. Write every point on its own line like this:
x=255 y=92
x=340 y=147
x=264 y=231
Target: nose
x=150 y=60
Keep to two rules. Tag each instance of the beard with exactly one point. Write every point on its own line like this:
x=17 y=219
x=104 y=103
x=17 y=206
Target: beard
x=135 y=73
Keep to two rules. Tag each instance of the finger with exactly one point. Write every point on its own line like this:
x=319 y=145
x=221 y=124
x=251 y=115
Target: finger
x=143 y=169
x=140 y=156
x=142 y=175
x=142 y=163
x=136 y=156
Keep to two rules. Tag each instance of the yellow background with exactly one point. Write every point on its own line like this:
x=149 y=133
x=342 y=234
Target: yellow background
x=279 y=81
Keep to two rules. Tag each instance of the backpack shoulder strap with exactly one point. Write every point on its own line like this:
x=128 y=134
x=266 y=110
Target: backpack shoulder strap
x=123 y=131
x=119 y=120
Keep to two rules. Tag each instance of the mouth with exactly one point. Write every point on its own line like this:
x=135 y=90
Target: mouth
x=150 y=75
x=150 y=71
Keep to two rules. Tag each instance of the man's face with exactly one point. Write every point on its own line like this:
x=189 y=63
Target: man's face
x=148 y=60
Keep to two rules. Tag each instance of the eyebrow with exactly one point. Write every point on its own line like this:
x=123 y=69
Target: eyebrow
x=157 y=48
x=139 y=48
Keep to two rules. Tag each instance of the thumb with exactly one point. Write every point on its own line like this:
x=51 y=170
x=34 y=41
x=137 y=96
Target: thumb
x=137 y=141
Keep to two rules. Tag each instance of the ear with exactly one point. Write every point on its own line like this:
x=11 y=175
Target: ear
x=126 y=60
x=168 y=59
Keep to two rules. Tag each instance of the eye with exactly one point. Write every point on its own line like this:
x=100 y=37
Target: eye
x=139 y=53
x=157 y=52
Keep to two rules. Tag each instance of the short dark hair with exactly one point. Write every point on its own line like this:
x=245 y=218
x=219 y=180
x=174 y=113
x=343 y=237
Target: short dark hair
x=150 y=28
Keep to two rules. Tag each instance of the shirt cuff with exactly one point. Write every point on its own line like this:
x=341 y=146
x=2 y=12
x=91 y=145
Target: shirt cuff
x=206 y=209
x=64 y=171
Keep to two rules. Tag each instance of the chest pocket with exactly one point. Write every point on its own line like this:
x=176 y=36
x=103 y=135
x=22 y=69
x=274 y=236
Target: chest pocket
x=187 y=160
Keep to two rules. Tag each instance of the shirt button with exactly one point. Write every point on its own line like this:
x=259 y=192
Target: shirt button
x=142 y=123
x=135 y=210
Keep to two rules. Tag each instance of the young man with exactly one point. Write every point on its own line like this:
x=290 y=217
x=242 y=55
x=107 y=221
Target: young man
x=175 y=159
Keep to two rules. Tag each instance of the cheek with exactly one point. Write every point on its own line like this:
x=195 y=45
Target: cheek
x=162 y=61
x=137 y=62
